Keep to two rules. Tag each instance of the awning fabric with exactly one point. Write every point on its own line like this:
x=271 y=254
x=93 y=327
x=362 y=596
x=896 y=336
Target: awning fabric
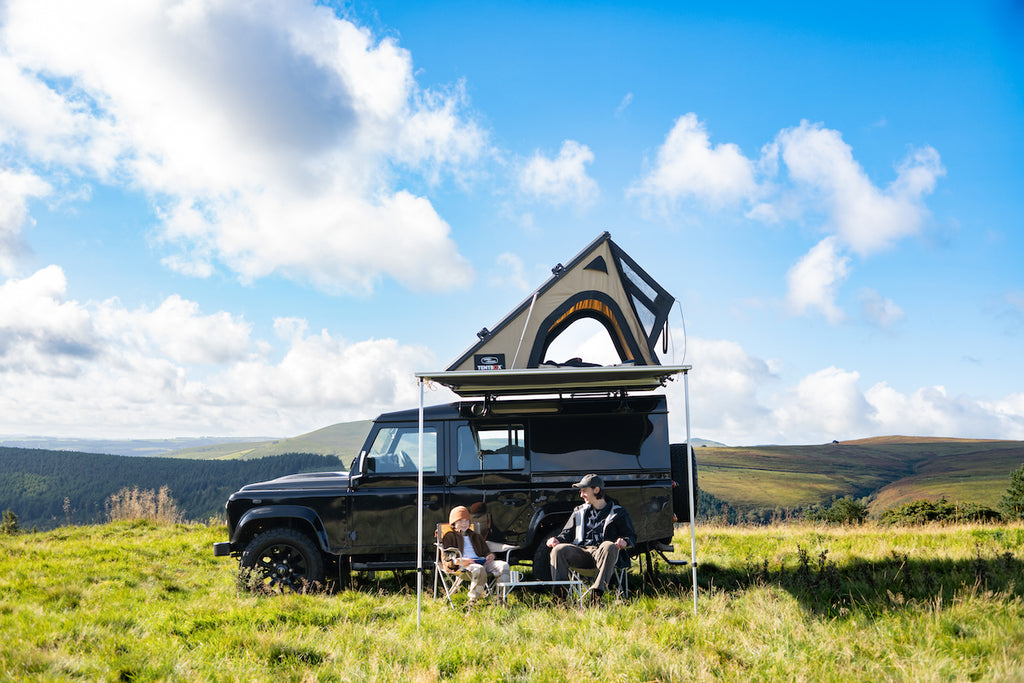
x=555 y=380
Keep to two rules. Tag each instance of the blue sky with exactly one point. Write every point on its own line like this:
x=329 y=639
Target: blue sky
x=262 y=218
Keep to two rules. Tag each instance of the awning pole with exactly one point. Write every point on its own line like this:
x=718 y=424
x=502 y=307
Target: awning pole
x=419 y=517
x=689 y=470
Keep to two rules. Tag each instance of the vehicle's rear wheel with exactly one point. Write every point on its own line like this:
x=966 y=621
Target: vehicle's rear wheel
x=283 y=559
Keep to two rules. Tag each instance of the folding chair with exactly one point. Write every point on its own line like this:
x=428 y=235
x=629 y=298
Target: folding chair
x=619 y=580
x=451 y=577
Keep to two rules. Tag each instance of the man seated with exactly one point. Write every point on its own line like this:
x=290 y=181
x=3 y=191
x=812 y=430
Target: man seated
x=593 y=537
x=476 y=558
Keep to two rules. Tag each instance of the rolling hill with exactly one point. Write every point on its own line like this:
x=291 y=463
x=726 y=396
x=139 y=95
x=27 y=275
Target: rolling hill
x=342 y=440
x=891 y=470
x=887 y=470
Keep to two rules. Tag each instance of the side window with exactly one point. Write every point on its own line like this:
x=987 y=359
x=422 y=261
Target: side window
x=396 y=449
x=593 y=442
x=494 y=447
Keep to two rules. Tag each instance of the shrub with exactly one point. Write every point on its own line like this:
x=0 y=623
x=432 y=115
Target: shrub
x=924 y=511
x=9 y=526
x=1012 y=504
x=844 y=510
x=132 y=503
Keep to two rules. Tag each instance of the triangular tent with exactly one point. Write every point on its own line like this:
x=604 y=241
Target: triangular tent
x=602 y=282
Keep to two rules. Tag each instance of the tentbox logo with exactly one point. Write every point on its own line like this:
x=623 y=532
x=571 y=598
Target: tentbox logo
x=492 y=361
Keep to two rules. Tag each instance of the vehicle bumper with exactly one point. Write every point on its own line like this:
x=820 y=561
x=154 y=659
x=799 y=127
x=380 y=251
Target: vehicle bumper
x=222 y=549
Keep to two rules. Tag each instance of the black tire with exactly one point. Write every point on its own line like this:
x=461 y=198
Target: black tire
x=680 y=501
x=542 y=559
x=283 y=560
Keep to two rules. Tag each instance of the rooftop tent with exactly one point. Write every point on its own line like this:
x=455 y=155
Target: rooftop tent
x=603 y=283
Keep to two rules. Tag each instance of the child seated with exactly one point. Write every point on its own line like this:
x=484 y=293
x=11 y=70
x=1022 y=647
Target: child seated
x=476 y=558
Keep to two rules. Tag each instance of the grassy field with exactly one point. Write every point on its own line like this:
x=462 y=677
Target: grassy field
x=144 y=602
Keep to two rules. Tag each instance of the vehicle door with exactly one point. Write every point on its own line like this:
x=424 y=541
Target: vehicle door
x=383 y=518
x=490 y=475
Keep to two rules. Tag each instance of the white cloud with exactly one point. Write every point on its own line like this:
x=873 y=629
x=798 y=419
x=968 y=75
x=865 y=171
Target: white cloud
x=806 y=174
x=508 y=272
x=740 y=399
x=269 y=135
x=880 y=311
x=182 y=334
x=40 y=331
x=623 y=105
x=865 y=218
x=826 y=402
x=930 y=411
x=726 y=387
x=16 y=189
x=689 y=167
x=562 y=180
x=814 y=280
x=98 y=369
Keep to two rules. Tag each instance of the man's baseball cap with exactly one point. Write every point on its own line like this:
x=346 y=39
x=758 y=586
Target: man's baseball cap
x=588 y=481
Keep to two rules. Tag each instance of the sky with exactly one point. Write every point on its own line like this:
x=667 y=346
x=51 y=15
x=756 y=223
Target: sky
x=261 y=218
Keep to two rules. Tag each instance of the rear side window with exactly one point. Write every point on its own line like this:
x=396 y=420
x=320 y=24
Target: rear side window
x=396 y=449
x=588 y=442
x=496 y=447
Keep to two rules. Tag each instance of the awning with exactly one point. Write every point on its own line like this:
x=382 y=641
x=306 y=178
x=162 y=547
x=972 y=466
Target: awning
x=555 y=380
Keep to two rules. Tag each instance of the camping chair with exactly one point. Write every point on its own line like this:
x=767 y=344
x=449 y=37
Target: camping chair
x=619 y=581
x=451 y=579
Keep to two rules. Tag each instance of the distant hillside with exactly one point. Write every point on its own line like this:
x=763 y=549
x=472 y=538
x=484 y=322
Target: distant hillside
x=34 y=483
x=890 y=470
x=703 y=443
x=342 y=440
x=894 y=469
x=132 y=447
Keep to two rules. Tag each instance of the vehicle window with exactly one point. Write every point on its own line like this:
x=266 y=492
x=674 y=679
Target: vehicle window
x=396 y=449
x=603 y=442
x=500 y=447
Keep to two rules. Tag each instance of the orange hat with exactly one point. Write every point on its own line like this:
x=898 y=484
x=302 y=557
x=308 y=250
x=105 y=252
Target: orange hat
x=458 y=513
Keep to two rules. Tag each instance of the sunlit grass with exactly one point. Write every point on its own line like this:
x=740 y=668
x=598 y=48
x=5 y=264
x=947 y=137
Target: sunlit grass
x=145 y=601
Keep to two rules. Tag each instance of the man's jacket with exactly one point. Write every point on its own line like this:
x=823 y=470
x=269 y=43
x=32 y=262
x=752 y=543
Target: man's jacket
x=617 y=524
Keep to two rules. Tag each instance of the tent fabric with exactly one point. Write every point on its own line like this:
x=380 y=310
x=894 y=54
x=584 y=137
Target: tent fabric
x=602 y=283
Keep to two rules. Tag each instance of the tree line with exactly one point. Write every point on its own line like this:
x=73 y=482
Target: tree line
x=47 y=489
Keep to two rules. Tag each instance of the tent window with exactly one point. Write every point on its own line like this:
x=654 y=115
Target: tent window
x=645 y=315
x=587 y=339
x=638 y=281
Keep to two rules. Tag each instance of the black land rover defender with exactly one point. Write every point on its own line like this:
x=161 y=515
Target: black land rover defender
x=511 y=463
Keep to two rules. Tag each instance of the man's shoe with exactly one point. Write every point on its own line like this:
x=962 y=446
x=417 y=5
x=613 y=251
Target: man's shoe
x=594 y=597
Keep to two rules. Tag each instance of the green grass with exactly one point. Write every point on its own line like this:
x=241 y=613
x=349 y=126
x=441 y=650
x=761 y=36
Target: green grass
x=146 y=602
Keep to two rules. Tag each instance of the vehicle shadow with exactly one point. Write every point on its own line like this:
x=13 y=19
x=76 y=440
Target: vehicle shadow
x=824 y=586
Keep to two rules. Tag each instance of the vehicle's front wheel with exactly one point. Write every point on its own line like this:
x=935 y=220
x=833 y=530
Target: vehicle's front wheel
x=283 y=559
